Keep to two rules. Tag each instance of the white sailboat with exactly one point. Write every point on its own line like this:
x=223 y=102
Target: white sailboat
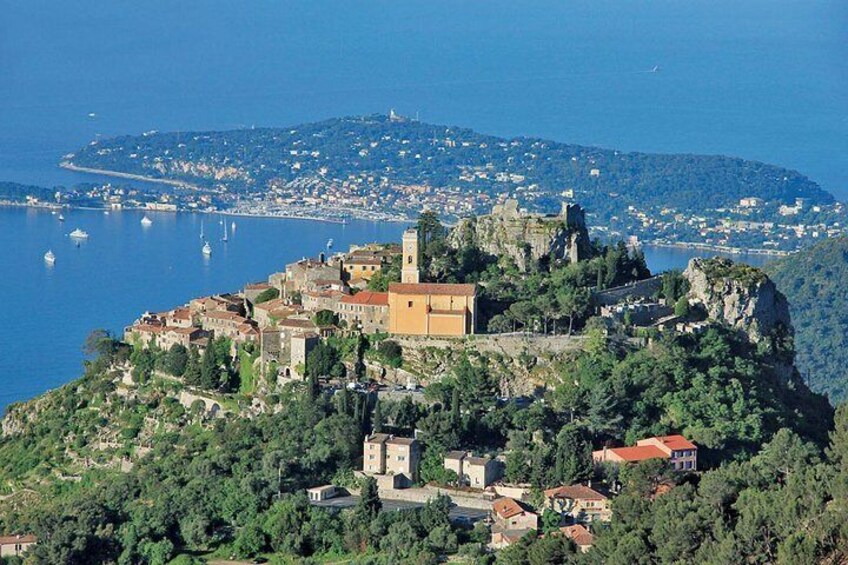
x=145 y=221
x=49 y=258
x=79 y=234
x=207 y=249
x=61 y=218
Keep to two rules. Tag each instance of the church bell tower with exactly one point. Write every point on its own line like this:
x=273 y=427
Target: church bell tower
x=409 y=271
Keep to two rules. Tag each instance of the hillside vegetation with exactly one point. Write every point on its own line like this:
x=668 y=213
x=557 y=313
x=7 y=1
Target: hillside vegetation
x=816 y=283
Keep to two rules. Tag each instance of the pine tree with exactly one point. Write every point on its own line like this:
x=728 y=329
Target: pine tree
x=369 y=504
x=378 y=418
x=192 y=370
x=208 y=369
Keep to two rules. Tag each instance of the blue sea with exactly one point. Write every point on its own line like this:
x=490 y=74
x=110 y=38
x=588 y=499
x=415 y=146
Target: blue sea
x=759 y=79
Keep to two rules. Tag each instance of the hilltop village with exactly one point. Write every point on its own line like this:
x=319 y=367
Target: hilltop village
x=279 y=328
x=504 y=388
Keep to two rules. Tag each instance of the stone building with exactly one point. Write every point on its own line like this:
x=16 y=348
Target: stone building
x=366 y=310
x=395 y=457
x=475 y=472
x=578 y=504
x=16 y=546
x=511 y=521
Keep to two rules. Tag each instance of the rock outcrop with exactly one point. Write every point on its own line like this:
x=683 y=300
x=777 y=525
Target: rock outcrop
x=526 y=237
x=741 y=296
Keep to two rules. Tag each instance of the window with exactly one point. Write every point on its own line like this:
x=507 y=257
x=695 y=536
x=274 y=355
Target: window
x=688 y=464
x=409 y=304
x=372 y=457
x=401 y=458
x=409 y=259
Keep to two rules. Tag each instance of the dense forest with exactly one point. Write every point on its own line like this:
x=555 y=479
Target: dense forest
x=411 y=152
x=815 y=282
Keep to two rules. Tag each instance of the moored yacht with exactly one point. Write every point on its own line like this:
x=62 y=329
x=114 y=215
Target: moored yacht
x=145 y=221
x=207 y=249
x=49 y=258
x=79 y=234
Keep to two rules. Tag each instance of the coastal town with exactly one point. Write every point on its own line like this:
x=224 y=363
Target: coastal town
x=388 y=168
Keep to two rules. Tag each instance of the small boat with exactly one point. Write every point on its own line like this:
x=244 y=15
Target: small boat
x=207 y=249
x=330 y=243
x=61 y=218
x=79 y=234
x=92 y=115
x=52 y=212
x=105 y=212
x=233 y=227
x=145 y=221
x=49 y=258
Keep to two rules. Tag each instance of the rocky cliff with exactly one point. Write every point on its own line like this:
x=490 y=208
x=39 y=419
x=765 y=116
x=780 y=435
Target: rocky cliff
x=524 y=237
x=740 y=296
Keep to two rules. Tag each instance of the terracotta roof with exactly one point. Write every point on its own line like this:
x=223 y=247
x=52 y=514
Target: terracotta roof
x=639 y=453
x=433 y=288
x=368 y=297
x=181 y=314
x=223 y=315
x=575 y=492
x=674 y=442
x=269 y=305
x=186 y=331
x=507 y=508
x=324 y=294
x=27 y=538
x=578 y=534
x=149 y=328
x=257 y=286
x=364 y=260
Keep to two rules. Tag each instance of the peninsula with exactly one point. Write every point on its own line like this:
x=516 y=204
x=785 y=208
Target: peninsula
x=390 y=167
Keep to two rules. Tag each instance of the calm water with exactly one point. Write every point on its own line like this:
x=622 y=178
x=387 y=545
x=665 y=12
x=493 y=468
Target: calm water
x=763 y=79
x=124 y=269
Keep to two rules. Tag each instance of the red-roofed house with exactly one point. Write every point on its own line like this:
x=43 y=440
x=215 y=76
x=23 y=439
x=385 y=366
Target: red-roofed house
x=366 y=310
x=512 y=520
x=578 y=503
x=581 y=537
x=682 y=453
x=15 y=546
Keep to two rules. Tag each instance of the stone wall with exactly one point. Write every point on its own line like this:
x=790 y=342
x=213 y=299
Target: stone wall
x=639 y=290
